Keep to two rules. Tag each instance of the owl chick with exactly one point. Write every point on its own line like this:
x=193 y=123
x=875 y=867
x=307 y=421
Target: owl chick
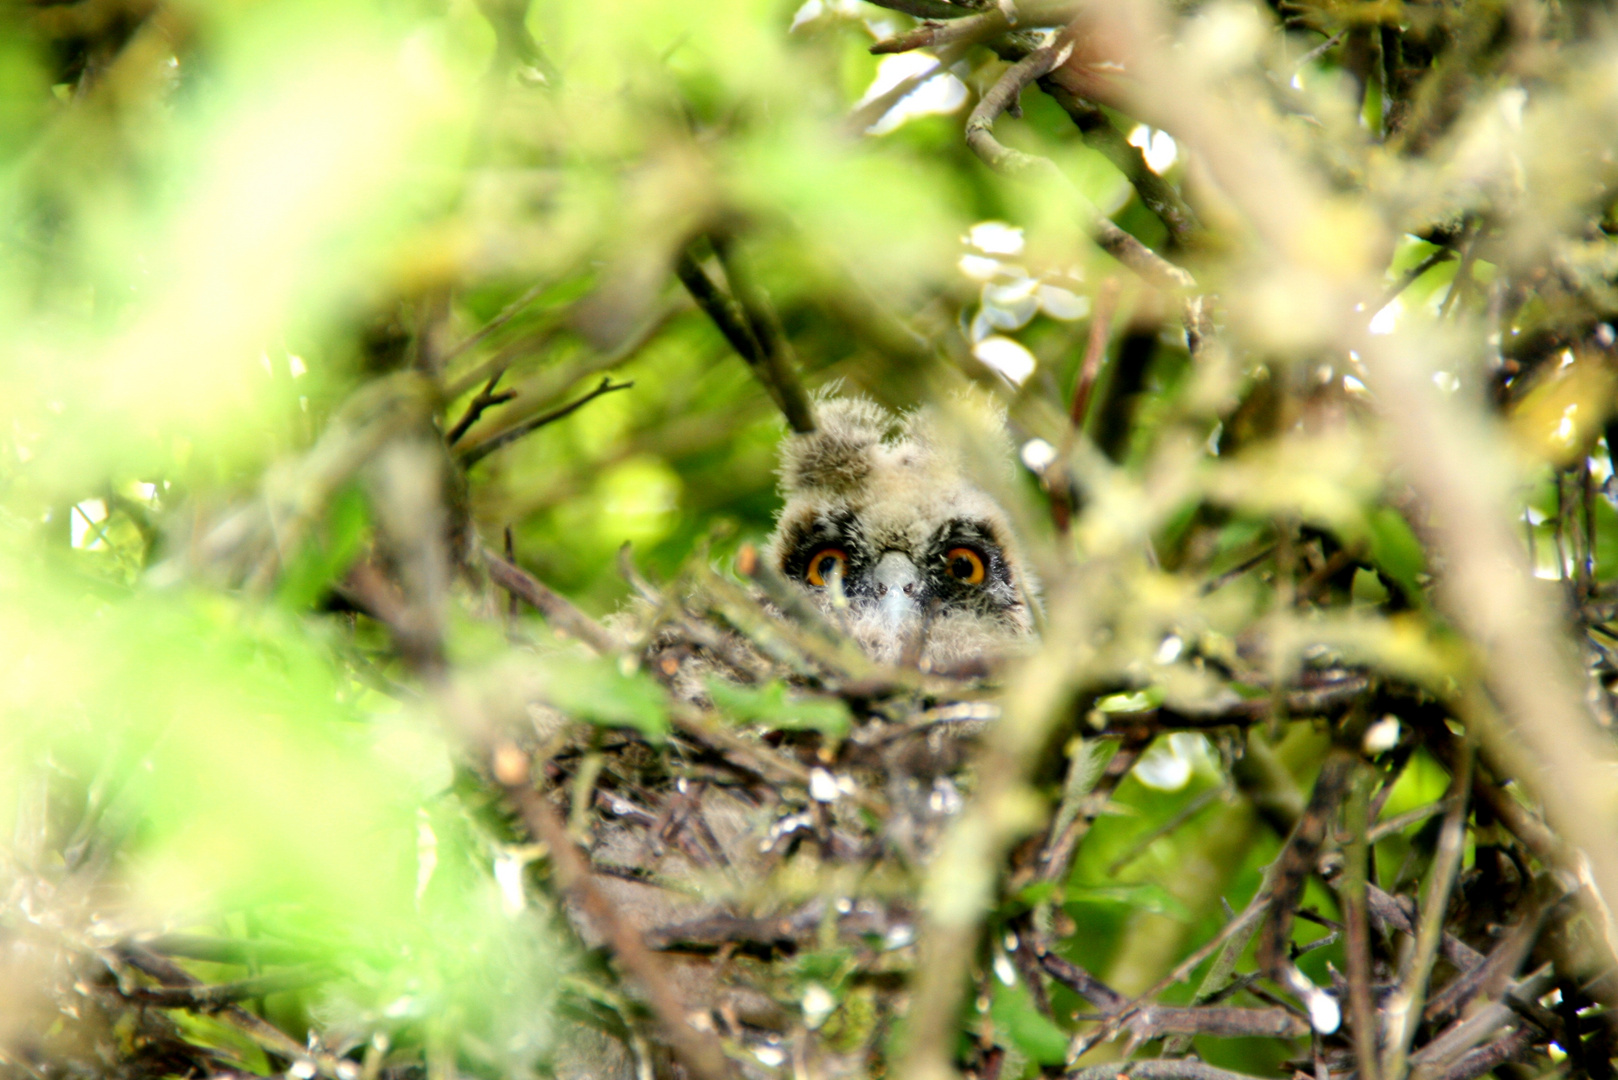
x=888 y=535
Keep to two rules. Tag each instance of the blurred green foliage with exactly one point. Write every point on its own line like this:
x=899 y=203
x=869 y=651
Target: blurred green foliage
x=221 y=222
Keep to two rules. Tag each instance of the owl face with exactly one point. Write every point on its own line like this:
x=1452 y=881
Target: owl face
x=885 y=532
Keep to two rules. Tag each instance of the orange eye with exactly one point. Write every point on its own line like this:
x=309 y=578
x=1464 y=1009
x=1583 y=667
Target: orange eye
x=824 y=563
x=964 y=565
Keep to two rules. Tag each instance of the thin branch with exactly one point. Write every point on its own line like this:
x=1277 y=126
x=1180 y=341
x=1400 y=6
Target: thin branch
x=861 y=118
x=486 y=399
x=262 y=1032
x=507 y=313
x=1186 y=813
x=1095 y=350
x=933 y=9
x=1357 y=944
x=1003 y=96
x=477 y=452
x=1155 y=1069
x=776 y=364
x=1404 y=1008
x=1413 y=275
x=968 y=31
x=1151 y=266
x=208 y=998
x=555 y=607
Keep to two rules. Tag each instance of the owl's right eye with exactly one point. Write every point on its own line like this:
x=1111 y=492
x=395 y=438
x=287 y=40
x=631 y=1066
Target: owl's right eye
x=823 y=564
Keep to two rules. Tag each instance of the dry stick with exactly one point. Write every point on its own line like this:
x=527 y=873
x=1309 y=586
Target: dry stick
x=699 y=1051
x=1236 y=933
x=1357 y=943
x=212 y=996
x=474 y=454
x=262 y=1032
x=1155 y=1069
x=967 y=31
x=549 y=603
x=1103 y=136
x=486 y=399
x=1405 y=1006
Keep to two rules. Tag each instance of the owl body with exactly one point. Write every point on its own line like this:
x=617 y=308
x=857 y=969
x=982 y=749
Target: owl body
x=887 y=532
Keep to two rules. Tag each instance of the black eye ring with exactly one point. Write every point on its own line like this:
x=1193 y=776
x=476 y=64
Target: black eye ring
x=823 y=563
x=965 y=565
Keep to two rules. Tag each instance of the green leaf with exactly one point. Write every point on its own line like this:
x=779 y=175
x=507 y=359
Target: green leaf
x=1030 y=1030
x=326 y=553
x=1150 y=898
x=599 y=690
x=769 y=705
x=1395 y=549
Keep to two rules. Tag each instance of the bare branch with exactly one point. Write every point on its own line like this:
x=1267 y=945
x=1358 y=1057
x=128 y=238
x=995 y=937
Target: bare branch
x=555 y=607
x=478 y=451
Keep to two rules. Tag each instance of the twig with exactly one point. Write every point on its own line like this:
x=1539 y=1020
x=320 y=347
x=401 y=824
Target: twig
x=1185 y=814
x=861 y=118
x=1155 y=1069
x=1315 y=54
x=1215 y=583
x=486 y=399
x=699 y=1051
x=776 y=364
x=1405 y=1006
x=554 y=606
x=1231 y=943
x=262 y=1032
x=507 y=313
x=967 y=31
x=207 y=998
x=1095 y=350
x=741 y=330
x=1412 y=275
x=1293 y=867
x=477 y=452
x=1081 y=982
x=932 y=9
x=1357 y=946
x=1002 y=96
x=1103 y=136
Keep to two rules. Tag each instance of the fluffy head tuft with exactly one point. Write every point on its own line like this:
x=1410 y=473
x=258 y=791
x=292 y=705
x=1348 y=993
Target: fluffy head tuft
x=841 y=453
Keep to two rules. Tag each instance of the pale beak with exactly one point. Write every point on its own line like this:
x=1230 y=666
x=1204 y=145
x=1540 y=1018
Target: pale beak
x=898 y=590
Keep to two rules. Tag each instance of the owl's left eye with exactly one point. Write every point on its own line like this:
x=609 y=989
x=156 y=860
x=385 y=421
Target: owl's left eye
x=964 y=565
x=823 y=564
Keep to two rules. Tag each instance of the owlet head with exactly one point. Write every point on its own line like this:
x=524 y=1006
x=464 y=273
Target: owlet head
x=881 y=513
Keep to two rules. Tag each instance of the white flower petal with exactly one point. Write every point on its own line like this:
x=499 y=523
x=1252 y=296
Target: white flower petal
x=1007 y=357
